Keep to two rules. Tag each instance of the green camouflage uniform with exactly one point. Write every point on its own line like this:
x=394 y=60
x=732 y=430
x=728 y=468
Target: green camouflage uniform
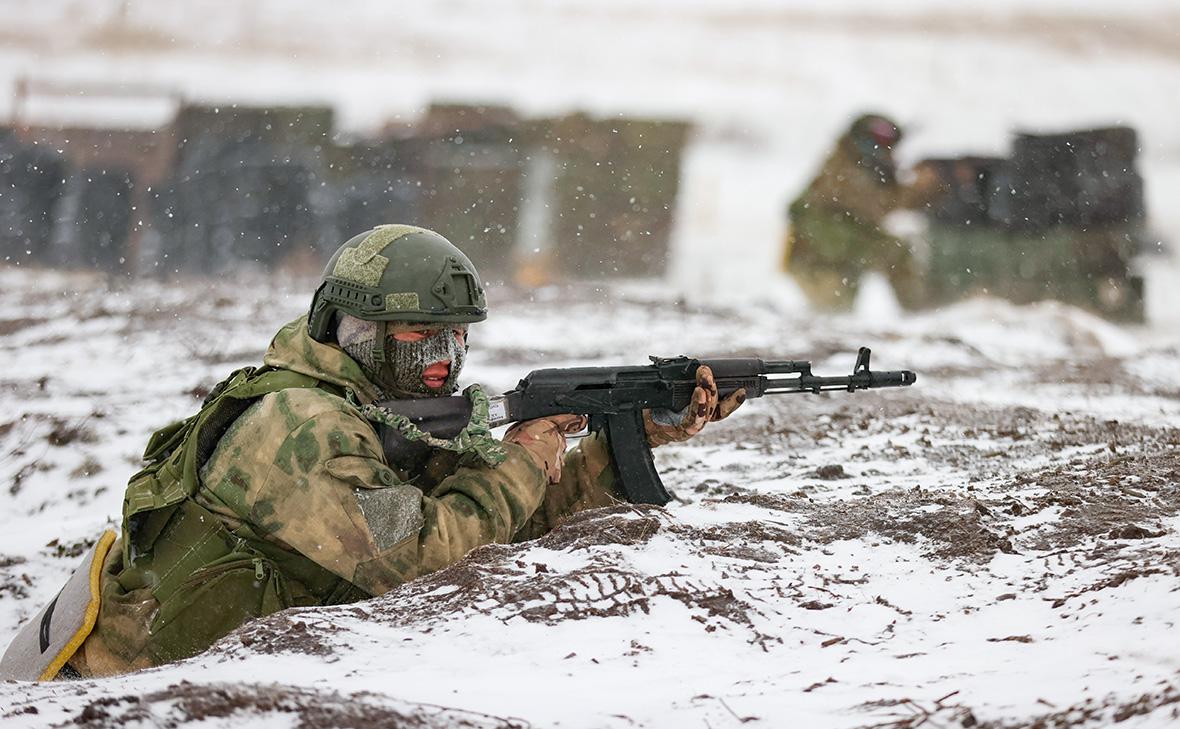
x=835 y=227
x=298 y=506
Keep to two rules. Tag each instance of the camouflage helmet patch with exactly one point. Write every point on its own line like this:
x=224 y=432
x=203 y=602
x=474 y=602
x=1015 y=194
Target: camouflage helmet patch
x=397 y=273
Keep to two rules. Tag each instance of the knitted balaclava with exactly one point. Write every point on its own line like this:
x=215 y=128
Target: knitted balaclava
x=400 y=375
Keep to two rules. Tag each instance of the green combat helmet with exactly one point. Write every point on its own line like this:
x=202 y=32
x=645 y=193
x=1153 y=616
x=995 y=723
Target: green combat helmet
x=397 y=273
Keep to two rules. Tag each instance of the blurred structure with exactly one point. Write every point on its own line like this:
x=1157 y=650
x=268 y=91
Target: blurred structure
x=31 y=182
x=468 y=162
x=78 y=196
x=1060 y=219
x=836 y=232
x=241 y=186
x=613 y=194
x=221 y=187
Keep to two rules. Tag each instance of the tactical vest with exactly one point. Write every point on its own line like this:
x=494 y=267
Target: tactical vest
x=205 y=577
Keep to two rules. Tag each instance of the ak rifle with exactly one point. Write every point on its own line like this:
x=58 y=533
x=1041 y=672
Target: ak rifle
x=614 y=398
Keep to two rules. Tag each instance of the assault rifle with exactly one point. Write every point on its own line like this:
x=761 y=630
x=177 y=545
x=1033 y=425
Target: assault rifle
x=614 y=399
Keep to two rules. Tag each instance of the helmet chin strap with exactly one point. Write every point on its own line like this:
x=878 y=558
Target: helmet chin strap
x=380 y=350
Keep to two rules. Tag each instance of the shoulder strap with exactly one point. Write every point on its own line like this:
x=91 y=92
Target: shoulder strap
x=177 y=452
x=238 y=392
x=216 y=416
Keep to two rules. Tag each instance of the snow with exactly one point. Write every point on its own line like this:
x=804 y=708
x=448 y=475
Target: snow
x=972 y=563
x=827 y=621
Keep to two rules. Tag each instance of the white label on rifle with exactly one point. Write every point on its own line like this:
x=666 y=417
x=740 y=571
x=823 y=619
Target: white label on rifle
x=497 y=411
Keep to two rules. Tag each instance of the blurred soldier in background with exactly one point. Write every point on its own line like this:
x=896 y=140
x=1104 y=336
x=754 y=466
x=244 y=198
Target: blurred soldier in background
x=836 y=232
x=279 y=492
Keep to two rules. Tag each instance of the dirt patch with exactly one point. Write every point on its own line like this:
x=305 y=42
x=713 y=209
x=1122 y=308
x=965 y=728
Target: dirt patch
x=86 y=468
x=1165 y=564
x=1122 y=497
x=753 y=541
x=13 y=584
x=65 y=432
x=630 y=524
x=1104 y=375
x=1103 y=371
x=1163 y=705
x=495 y=580
x=770 y=501
x=953 y=525
x=280 y=634
x=23 y=473
x=69 y=550
x=831 y=472
x=601 y=592
x=12 y=326
x=1108 y=479
x=186 y=703
x=984 y=441
x=911 y=714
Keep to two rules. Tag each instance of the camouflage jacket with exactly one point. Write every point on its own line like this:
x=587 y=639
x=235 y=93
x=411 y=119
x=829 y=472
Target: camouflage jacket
x=305 y=495
x=307 y=471
x=849 y=185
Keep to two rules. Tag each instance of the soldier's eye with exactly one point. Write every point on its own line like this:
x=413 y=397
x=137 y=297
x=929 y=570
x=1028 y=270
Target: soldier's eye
x=411 y=336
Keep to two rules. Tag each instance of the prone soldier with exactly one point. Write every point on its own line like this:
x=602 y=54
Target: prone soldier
x=278 y=492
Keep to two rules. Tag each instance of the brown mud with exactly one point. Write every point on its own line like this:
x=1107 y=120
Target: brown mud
x=1085 y=476
x=604 y=586
x=185 y=704
x=962 y=482
x=1163 y=705
x=1017 y=480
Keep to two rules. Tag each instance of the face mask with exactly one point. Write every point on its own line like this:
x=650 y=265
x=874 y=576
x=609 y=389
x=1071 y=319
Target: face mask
x=401 y=374
x=407 y=361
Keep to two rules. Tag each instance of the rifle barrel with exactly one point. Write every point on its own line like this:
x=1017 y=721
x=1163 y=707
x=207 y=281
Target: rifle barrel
x=859 y=381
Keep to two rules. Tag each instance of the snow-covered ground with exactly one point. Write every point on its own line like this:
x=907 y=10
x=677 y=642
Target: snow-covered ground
x=999 y=544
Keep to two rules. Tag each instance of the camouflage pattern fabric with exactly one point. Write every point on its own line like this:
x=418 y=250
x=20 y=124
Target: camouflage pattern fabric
x=835 y=229
x=310 y=512
x=830 y=252
x=587 y=482
x=544 y=439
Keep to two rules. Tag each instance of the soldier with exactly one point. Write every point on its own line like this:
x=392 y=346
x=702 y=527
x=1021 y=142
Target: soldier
x=278 y=492
x=835 y=230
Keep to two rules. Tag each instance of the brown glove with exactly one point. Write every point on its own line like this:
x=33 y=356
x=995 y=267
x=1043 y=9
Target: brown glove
x=665 y=426
x=544 y=439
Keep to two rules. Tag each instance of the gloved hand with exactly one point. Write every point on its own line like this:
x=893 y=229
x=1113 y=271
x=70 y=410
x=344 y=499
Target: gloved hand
x=544 y=439
x=665 y=426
